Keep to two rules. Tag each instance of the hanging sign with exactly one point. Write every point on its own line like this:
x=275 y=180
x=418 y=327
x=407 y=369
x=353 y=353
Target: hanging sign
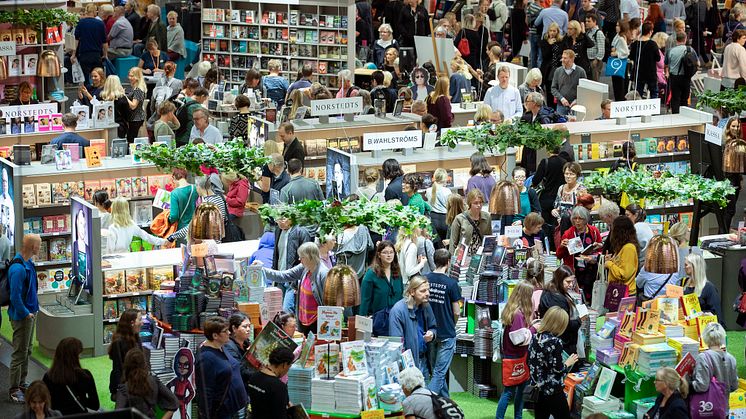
x=337 y=106
x=713 y=134
x=627 y=108
x=392 y=140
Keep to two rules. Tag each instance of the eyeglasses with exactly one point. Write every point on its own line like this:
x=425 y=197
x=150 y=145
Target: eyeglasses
x=419 y=77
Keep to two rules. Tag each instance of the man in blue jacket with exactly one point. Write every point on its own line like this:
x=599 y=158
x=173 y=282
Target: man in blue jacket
x=412 y=319
x=22 y=312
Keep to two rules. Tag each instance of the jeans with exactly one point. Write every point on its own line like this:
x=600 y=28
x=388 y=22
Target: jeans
x=511 y=392
x=23 y=335
x=562 y=109
x=288 y=302
x=441 y=354
x=652 y=87
x=533 y=39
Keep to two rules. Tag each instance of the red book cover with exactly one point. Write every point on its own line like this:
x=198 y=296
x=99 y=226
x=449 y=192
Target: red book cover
x=686 y=365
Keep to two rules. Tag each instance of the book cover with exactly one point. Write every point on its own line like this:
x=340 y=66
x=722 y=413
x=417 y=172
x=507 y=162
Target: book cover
x=135 y=280
x=686 y=365
x=407 y=360
x=142 y=212
x=110 y=310
x=669 y=309
x=29 y=124
x=702 y=321
x=326 y=360
x=43 y=252
x=123 y=304
x=255 y=276
x=626 y=326
x=63 y=159
x=625 y=304
x=45 y=123
x=629 y=355
x=140 y=302
x=158 y=275
x=90 y=187
x=370 y=394
x=329 y=322
x=354 y=361
x=646 y=320
x=29 y=195
x=99 y=144
x=306 y=349
x=19 y=35
x=43 y=194
x=42 y=279
x=690 y=304
x=59 y=249
x=266 y=341
x=29 y=64
x=139 y=186
x=114 y=282
x=124 y=187
x=6 y=35
x=109 y=330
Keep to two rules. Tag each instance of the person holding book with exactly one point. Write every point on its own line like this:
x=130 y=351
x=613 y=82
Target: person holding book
x=696 y=282
x=545 y=354
x=69 y=136
x=413 y=320
x=557 y=294
x=622 y=262
x=220 y=390
x=269 y=396
x=123 y=229
x=672 y=391
x=580 y=247
x=715 y=362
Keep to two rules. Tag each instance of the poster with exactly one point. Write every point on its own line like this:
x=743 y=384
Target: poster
x=83 y=113
x=338 y=181
x=7 y=210
x=82 y=261
x=329 y=323
x=183 y=384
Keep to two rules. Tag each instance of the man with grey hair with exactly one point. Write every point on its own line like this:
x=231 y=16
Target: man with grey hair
x=346 y=88
x=536 y=113
x=155 y=29
x=202 y=128
x=274 y=177
x=120 y=36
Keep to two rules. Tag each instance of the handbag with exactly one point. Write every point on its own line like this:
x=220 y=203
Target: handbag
x=641 y=298
x=463 y=45
x=616 y=67
x=614 y=294
x=713 y=402
x=80 y=405
x=598 y=295
x=515 y=371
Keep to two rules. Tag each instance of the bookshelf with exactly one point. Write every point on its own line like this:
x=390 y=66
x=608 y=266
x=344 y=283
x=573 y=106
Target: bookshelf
x=240 y=35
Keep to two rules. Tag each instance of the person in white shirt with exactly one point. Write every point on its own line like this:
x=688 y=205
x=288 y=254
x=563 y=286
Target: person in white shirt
x=504 y=97
x=630 y=9
x=123 y=229
x=202 y=128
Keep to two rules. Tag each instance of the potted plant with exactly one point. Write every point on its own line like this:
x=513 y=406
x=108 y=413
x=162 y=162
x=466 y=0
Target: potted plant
x=497 y=138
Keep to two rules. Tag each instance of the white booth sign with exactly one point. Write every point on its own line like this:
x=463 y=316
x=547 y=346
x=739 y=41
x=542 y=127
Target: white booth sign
x=713 y=134
x=392 y=140
x=646 y=107
x=7 y=48
x=21 y=111
x=336 y=106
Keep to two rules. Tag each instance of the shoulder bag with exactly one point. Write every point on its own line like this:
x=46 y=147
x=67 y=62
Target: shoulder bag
x=598 y=295
x=713 y=403
x=463 y=45
x=616 y=67
x=80 y=405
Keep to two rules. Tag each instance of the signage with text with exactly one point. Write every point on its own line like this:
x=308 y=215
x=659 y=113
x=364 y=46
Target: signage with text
x=337 y=106
x=7 y=48
x=713 y=134
x=646 y=107
x=392 y=140
x=20 y=111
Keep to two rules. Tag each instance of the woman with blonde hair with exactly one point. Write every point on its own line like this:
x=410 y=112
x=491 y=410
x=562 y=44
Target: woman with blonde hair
x=439 y=103
x=296 y=100
x=672 y=391
x=370 y=190
x=114 y=92
x=383 y=45
x=696 y=282
x=550 y=46
x=459 y=81
x=405 y=315
x=98 y=78
x=483 y=114
x=406 y=248
x=135 y=100
x=123 y=229
x=471 y=225
x=517 y=319
x=620 y=49
x=579 y=42
x=437 y=195
x=546 y=366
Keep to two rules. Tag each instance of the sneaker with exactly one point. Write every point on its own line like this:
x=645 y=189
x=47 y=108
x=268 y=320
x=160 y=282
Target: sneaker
x=16 y=396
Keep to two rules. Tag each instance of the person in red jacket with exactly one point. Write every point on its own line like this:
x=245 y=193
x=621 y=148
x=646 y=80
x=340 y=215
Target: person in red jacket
x=579 y=249
x=237 y=194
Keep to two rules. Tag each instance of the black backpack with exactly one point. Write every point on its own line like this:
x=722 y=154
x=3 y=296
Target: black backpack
x=182 y=114
x=444 y=407
x=5 y=283
x=689 y=63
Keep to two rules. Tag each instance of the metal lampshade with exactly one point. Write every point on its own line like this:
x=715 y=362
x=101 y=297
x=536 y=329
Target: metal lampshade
x=49 y=64
x=662 y=255
x=207 y=223
x=734 y=156
x=3 y=69
x=342 y=288
x=505 y=199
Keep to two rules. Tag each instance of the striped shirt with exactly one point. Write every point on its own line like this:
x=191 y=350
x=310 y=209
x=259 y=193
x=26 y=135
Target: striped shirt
x=532 y=11
x=307 y=305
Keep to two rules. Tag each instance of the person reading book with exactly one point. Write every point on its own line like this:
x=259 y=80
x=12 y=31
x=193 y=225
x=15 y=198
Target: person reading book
x=268 y=395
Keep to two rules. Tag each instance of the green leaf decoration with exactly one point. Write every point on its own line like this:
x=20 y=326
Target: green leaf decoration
x=38 y=18
x=495 y=139
x=333 y=217
x=660 y=186
x=728 y=102
x=231 y=156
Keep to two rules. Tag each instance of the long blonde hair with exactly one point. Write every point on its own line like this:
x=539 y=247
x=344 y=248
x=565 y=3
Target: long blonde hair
x=520 y=299
x=441 y=89
x=113 y=89
x=439 y=178
x=297 y=98
x=120 y=213
x=555 y=321
x=140 y=83
x=673 y=380
x=555 y=26
x=402 y=236
x=454 y=206
x=698 y=279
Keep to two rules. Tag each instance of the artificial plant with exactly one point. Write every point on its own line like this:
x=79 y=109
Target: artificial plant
x=38 y=18
x=231 y=156
x=332 y=217
x=729 y=102
x=660 y=186
x=497 y=138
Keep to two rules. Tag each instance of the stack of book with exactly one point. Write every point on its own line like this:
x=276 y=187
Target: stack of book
x=488 y=286
x=684 y=345
x=642 y=406
x=272 y=303
x=171 y=343
x=652 y=357
x=299 y=384
x=348 y=392
x=483 y=342
x=593 y=404
x=322 y=395
x=163 y=305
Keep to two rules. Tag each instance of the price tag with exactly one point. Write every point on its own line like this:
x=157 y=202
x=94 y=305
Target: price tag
x=513 y=231
x=364 y=324
x=372 y=414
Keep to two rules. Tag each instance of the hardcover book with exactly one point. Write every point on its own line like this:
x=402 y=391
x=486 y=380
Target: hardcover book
x=43 y=194
x=268 y=339
x=354 y=361
x=114 y=282
x=29 y=195
x=326 y=360
x=136 y=280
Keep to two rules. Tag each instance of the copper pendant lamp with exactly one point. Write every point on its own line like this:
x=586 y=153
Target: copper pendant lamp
x=734 y=156
x=3 y=69
x=505 y=199
x=49 y=64
x=662 y=255
x=342 y=288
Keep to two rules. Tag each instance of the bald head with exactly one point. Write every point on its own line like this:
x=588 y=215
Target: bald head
x=30 y=247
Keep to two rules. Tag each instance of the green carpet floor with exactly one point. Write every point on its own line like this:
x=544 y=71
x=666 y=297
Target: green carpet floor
x=474 y=407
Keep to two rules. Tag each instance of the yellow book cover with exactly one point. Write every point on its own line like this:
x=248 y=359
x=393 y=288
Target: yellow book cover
x=690 y=303
x=629 y=355
x=595 y=151
x=647 y=338
x=702 y=321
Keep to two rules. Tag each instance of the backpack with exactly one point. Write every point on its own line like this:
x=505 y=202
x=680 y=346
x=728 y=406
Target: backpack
x=183 y=115
x=5 y=282
x=445 y=408
x=689 y=63
x=381 y=322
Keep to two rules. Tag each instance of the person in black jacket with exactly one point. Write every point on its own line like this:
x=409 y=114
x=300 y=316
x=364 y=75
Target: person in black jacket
x=239 y=327
x=293 y=147
x=393 y=173
x=412 y=21
x=126 y=337
x=73 y=388
x=671 y=402
x=550 y=173
x=557 y=294
x=696 y=282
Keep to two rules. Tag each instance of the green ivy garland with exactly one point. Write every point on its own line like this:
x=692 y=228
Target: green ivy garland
x=496 y=139
x=661 y=187
x=729 y=101
x=38 y=18
x=231 y=156
x=333 y=217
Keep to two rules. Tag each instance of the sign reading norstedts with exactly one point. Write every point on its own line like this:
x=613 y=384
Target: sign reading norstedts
x=392 y=140
x=337 y=106
x=646 y=107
